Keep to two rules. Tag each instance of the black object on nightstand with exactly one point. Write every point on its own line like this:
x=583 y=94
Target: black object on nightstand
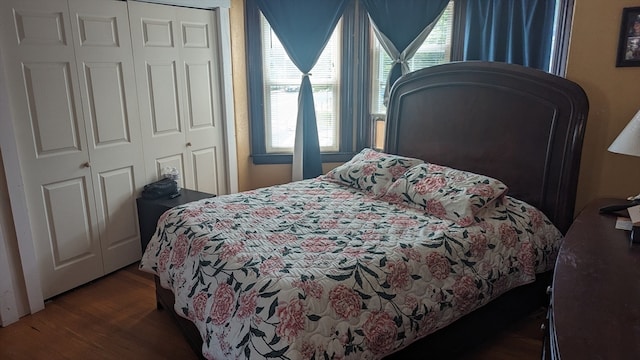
x=150 y=210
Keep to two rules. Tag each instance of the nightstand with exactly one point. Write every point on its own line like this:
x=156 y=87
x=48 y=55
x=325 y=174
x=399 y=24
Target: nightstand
x=595 y=297
x=150 y=210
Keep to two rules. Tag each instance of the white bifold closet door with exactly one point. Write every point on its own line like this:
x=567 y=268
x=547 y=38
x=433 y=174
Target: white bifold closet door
x=176 y=56
x=70 y=69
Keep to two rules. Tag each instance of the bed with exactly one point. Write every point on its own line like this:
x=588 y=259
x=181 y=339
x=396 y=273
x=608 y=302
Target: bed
x=360 y=262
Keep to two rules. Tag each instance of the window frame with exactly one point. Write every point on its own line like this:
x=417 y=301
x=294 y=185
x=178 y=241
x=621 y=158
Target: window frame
x=353 y=129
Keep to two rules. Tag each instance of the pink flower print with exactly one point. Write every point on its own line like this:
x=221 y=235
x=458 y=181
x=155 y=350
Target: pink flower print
x=435 y=208
x=229 y=250
x=411 y=253
x=317 y=245
x=354 y=252
x=271 y=265
x=281 y=238
x=380 y=332
x=199 y=303
x=527 y=259
x=247 y=304
x=536 y=218
x=368 y=216
x=398 y=276
x=180 y=250
x=410 y=302
x=310 y=288
x=222 y=307
x=478 y=245
x=266 y=212
x=465 y=292
x=329 y=224
x=291 y=317
x=163 y=260
x=430 y=184
x=197 y=245
x=438 y=265
x=370 y=235
x=345 y=301
x=465 y=221
x=369 y=169
x=428 y=324
x=508 y=235
x=235 y=207
x=373 y=155
x=397 y=171
x=192 y=213
x=225 y=224
x=403 y=221
x=341 y=195
x=393 y=198
x=481 y=190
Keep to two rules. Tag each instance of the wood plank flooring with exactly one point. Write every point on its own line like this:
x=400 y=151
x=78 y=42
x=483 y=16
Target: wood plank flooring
x=115 y=317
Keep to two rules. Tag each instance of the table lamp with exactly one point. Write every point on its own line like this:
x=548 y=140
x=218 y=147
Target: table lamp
x=627 y=143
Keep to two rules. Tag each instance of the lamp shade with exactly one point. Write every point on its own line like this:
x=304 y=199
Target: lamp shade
x=628 y=142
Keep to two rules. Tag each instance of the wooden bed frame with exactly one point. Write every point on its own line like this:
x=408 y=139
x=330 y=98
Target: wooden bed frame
x=517 y=124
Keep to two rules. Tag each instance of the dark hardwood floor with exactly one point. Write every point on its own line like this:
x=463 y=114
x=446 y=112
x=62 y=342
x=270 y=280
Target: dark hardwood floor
x=115 y=317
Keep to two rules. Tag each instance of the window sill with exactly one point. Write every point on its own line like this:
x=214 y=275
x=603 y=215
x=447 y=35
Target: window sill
x=263 y=159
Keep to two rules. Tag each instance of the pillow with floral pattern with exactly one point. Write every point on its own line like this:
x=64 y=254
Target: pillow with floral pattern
x=372 y=171
x=446 y=193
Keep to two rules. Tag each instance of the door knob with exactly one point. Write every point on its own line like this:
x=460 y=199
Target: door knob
x=86 y=164
x=189 y=144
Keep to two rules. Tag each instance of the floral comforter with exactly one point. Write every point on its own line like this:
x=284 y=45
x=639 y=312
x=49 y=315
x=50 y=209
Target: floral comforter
x=317 y=269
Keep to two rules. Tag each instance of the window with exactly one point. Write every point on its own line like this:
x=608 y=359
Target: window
x=435 y=50
x=348 y=81
x=281 y=84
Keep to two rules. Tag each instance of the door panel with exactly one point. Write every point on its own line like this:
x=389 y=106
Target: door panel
x=110 y=103
x=199 y=104
x=199 y=57
x=106 y=103
x=40 y=66
x=52 y=114
x=163 y=99
x=120 y=240
x=159 y=81
x=36 y=26
x=174 y=161
x=205 y=165
x=68 y=220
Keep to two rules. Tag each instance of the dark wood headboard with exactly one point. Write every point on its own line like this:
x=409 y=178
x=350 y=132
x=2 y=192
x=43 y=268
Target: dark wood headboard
x=520 y=125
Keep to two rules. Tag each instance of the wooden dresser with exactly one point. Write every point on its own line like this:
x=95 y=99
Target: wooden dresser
x=595 y=297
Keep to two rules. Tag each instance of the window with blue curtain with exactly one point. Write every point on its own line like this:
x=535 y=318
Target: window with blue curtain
x=350 y=76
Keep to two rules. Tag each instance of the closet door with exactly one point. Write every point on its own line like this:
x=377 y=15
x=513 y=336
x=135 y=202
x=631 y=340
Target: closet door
x=177 y=73
x=199 y=57
x=158 y=80
x=110 y=105
x=50 y=130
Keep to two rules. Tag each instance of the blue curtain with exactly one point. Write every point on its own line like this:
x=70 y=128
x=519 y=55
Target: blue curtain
x=304 y=27
x=512 y=31
x=401 y=27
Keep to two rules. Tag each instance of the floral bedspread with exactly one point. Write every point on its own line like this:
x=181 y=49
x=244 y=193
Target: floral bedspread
x=317 y=269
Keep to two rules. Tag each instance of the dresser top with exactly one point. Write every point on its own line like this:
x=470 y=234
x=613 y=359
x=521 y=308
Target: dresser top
x=596 y=289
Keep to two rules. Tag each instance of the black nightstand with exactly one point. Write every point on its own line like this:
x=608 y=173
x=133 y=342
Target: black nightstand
x=149 y=211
